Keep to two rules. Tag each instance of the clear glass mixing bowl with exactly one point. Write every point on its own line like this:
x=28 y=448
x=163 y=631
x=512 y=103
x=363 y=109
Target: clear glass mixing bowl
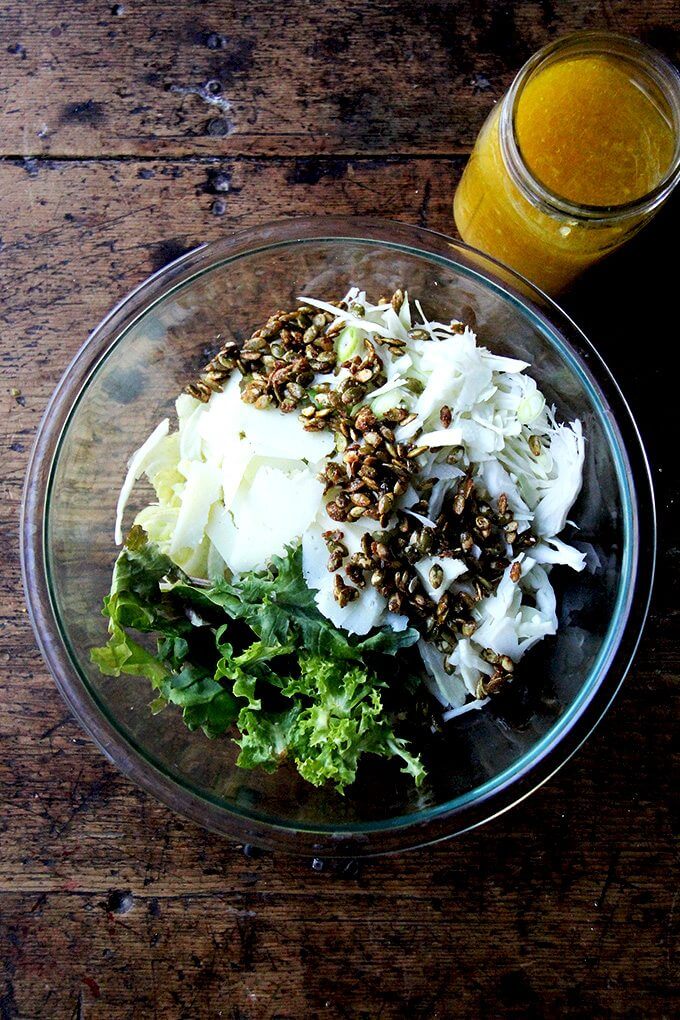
x=125 y=379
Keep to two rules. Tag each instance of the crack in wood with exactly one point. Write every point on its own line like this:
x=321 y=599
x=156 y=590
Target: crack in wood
x=38 y=159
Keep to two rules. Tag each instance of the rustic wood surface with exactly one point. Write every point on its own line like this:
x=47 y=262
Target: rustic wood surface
x=110 y=906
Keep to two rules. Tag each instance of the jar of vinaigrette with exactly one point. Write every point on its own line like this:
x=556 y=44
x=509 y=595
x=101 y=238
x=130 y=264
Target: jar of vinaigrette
x=577 y=156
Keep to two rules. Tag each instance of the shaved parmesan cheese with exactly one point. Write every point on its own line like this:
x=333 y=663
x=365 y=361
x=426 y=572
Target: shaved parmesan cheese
x=200 y=492
x=369 y=610
x=447 y=688
x=273 y=511
x=396 y=621
x=358 y=617
x=269 y=432
x=190 y=439
x=222 y=533
x=469 y=664
x=235 y=463
x=451 y=569
x=136 y=466
x=274 y=434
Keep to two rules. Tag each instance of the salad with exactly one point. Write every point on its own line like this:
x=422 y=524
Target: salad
x=358 y=506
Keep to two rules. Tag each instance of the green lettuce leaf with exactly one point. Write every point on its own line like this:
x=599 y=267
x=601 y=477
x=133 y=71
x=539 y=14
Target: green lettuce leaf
x=279 y=607
x=136 y=599
x=205 y=702
x=139 y=600
x=256 y=652
x=122 y=654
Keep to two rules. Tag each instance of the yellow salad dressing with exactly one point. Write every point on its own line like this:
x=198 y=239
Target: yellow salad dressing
x=587 y=131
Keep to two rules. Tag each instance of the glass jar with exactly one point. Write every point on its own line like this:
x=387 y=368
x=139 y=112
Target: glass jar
x=577 y=156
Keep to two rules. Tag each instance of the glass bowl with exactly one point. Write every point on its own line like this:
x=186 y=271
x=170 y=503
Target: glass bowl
x=125 y=379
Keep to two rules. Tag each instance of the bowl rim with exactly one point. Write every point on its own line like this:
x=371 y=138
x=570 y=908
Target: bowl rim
x=565 y=735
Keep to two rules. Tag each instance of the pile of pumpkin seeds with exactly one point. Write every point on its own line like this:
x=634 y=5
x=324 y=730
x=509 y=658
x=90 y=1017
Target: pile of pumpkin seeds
x=278 y=364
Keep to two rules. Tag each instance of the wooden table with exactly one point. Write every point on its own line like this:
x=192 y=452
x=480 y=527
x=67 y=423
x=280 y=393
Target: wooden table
x=130 y=133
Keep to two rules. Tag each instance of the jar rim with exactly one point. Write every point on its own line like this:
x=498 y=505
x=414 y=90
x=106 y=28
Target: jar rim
x=660 y=70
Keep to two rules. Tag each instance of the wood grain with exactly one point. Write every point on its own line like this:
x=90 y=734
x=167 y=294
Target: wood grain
x=244 y=954
x=290 y=77
x=111 y=907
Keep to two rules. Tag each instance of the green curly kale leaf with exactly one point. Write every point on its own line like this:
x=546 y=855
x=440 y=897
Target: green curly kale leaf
x=255 y=653
x=336 y=716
